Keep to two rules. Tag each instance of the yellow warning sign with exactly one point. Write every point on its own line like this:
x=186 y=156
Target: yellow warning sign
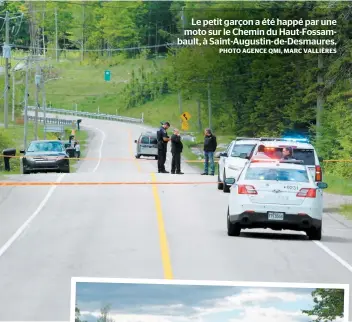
x=185 y=116
x=185 y=126
x=73 y=132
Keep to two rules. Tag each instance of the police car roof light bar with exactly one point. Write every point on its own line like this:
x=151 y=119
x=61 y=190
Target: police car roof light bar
x=284 y=139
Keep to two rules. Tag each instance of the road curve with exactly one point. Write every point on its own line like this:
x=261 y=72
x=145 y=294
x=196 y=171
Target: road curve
x=50 y=233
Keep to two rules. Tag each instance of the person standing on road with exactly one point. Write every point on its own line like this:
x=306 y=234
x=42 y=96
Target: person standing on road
x=78 y=150
x=176 y=150
x=163 y=139
x=210 y=145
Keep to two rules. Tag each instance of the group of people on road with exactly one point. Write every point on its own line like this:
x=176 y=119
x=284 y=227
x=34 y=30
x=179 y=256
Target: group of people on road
x=209 y=148
x=74 y=145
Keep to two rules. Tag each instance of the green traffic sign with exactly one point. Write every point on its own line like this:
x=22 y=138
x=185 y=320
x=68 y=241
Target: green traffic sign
x=107 y=75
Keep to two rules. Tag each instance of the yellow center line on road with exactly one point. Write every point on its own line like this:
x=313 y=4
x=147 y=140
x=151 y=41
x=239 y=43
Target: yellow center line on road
x=131 y=151
x=164 y=245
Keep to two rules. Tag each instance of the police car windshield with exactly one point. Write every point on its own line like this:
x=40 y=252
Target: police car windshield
x=276 y=174
x=238 y=149
x=306 y=155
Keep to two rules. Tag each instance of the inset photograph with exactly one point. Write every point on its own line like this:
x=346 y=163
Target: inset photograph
x=130 y=300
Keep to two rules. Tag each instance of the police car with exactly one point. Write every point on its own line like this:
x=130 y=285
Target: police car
x=239 y=151
x=276 y=194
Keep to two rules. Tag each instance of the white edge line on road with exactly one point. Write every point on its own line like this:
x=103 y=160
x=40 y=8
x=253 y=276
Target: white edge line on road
x=20 y=230
x=333 y=255
x=100 y=147
x=73 y=300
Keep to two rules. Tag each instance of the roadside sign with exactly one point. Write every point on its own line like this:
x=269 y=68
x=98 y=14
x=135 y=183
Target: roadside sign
x=73 y=132
x=37 y=80
x=107 y=75
x=185 y=126
x=54 y=129
x=185 y=116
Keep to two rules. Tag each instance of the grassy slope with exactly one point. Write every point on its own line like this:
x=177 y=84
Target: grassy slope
x=85 y=86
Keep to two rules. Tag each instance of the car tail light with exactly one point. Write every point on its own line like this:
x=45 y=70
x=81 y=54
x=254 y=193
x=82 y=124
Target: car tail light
x=307 y=193
x=246 y=190
x=318 y=173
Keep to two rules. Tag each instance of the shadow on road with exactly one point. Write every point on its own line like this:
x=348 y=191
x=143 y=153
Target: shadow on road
x=270 y=235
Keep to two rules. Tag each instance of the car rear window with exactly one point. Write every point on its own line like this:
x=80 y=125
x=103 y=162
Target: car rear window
x=238 y=149
x=276 y=174
x=145 y=140
x=307 y=155
x=153 y=140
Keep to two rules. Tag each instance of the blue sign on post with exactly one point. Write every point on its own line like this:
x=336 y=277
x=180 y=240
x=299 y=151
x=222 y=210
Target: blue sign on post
x=107 y=75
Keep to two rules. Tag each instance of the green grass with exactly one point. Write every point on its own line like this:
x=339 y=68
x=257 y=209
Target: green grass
x=346 y=210
x=337 y=185
x=85 y=85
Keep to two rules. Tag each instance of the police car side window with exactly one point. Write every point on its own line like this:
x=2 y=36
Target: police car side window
x=242 y=148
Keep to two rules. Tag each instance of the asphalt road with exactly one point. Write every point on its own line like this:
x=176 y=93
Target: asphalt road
x=49 y=234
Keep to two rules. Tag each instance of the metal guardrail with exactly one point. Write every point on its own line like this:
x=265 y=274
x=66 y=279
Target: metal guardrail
x=109 y=117
x=52 y=120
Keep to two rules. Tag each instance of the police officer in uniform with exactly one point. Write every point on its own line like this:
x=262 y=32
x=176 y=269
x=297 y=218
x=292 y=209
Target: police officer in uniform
x=163 y=139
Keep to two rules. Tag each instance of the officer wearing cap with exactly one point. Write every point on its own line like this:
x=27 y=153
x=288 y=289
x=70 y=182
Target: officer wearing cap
x=163 y=139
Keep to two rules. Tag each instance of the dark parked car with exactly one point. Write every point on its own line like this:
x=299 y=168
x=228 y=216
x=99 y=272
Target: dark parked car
x=45 y=156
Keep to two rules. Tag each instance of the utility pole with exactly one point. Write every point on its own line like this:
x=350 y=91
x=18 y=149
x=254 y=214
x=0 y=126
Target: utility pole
x=37 y=87
x=26 y=104
x=44 y=104
x=7 y=55
x=43 y=33
x=199 y=116
x=320 y=97
x=180 y=101
x=13 y=94
x=83 y=24
x=56 y=37
x=209 y=106
x=183 y=35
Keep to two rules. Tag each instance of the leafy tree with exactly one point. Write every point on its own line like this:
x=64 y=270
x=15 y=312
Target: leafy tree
x=104 y=314
x=78 y=315
x=329 y=305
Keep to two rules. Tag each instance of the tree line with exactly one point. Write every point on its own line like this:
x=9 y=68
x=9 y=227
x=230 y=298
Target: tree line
x=251 y=94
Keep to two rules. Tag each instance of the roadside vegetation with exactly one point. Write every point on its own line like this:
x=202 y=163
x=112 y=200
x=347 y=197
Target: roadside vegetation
x=251 y=95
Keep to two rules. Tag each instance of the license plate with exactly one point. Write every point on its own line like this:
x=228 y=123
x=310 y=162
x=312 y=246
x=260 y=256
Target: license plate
x=276 y=215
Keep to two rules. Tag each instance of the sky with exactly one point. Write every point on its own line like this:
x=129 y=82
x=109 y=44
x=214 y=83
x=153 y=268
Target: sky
x=188 y=303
